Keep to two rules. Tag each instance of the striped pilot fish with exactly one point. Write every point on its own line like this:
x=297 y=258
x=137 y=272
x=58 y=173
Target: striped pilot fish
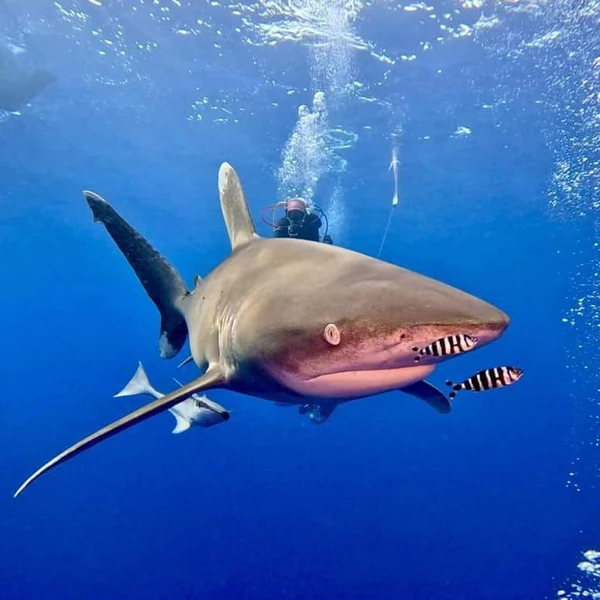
x=452 y=344
x=487 y=380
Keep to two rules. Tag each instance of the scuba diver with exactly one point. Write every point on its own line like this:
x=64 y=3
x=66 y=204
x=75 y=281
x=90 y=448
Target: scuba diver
x=300 y=221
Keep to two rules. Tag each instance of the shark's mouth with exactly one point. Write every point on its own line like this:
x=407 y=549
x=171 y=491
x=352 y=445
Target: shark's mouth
x=376 y=366
x=353 y=384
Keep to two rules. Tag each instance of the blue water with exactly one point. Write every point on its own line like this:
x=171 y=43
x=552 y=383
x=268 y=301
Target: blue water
x=387 y=499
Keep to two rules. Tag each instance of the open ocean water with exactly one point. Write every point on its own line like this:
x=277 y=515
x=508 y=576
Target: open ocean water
x=492 y=109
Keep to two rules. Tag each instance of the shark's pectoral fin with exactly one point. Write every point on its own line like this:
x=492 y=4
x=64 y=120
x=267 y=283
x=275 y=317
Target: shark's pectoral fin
x=430 y=394
x=212 y=378
x=238 y=220
x=160 y=280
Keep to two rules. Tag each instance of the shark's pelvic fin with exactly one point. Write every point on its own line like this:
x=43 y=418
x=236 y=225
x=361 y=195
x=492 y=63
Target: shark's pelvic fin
x=430 y=394
x=138 y=384
x=160 y=280
x=212 y=378
x=238 y=220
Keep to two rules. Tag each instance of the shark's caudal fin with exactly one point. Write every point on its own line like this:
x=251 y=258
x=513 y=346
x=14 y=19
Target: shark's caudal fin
x=240 y=226
x=212 y=378
x=139 y=384
x=430 y=394
x=160 y=280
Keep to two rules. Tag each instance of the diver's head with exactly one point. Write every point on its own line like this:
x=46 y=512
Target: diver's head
x=295 y=209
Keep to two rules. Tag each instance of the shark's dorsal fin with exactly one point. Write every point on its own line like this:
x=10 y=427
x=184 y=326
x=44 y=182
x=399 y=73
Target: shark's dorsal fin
x=238 y=221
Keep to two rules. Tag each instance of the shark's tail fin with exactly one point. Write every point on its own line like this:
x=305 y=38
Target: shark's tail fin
x=139 y=384
x=160 y=280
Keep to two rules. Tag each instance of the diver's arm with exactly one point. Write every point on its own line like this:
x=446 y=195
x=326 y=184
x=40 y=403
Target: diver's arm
x=281 y=229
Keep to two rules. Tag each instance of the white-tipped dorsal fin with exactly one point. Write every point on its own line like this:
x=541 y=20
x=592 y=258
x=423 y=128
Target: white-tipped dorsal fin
x=238 y=221
x=138 y=384
x=181 y=424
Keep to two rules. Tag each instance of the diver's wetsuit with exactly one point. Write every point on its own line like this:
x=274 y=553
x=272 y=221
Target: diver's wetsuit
x=307 y=229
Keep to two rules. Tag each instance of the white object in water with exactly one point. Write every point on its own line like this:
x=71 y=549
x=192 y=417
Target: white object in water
x=196 y=410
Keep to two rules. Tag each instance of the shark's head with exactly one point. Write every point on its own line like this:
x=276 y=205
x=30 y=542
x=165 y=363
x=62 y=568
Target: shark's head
x=357 y=336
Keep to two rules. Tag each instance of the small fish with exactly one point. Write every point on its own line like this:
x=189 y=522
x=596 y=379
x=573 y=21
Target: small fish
x=453 y=344
x=196 y=410
x=487 y=380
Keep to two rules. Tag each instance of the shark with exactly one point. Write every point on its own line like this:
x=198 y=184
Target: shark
x=195 y=410
x=291 y=321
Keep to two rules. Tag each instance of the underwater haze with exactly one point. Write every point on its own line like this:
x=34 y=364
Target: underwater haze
x=487 y=112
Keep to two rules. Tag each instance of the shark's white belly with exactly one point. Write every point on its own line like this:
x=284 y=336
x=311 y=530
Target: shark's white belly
x=354 y=384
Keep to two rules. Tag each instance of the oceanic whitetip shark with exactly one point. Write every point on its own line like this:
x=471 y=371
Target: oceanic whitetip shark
x=291 y=320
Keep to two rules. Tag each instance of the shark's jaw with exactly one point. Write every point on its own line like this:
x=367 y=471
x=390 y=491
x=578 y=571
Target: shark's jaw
x=375 y=365
x=354 y=384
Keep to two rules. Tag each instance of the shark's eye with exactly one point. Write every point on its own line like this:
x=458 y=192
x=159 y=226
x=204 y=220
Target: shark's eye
x=332 y=334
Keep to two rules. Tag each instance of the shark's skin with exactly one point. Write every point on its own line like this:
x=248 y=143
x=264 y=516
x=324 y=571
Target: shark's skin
x=292 y=321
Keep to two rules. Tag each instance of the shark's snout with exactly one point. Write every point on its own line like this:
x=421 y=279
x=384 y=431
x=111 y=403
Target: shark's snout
x=475 y=318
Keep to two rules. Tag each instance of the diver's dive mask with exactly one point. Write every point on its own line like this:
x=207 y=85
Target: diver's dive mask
x=296 y=213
